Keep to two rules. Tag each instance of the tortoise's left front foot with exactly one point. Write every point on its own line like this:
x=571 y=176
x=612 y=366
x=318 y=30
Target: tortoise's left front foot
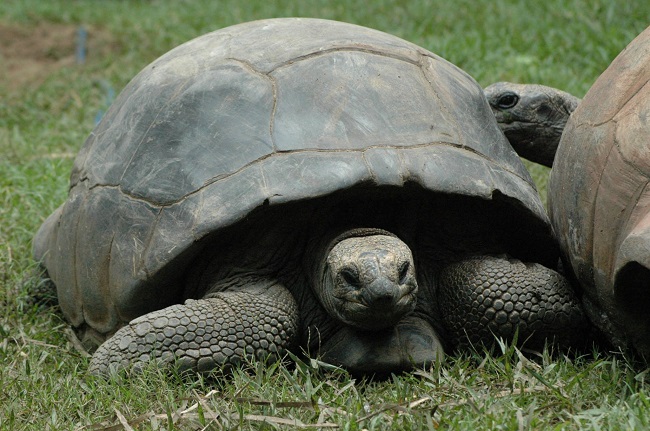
x=487 y=296
x=217 y=332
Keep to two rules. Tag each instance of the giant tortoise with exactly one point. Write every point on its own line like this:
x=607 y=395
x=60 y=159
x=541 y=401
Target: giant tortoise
x=599 y=197
x=301 y=185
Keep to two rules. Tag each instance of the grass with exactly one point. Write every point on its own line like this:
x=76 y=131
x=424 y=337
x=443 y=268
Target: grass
x=44 y=122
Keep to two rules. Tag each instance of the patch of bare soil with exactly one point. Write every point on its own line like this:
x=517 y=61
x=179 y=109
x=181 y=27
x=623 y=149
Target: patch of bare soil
x=29 y=54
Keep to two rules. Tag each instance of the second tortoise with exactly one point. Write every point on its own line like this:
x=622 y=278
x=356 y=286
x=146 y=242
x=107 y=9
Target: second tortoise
x=599 y=189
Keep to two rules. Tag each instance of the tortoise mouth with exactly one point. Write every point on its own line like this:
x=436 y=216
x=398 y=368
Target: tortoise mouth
x=378 y=315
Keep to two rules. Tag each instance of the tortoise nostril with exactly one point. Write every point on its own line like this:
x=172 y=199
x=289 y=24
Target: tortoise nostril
x=381 y=294
x=351 y=277
x=404 y=272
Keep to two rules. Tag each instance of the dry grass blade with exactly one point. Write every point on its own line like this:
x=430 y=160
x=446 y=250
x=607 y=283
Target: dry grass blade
x=275 y=420
x=291 y=422
x=283 y=404
x=123 y=421
x=208 y=412
x=26 y=340
x=76 y=344
x=117 y=427
x=211 y=414
x=55 y=156
x=189 y=414
x=384 y=408
x=416 y=403
x=502 y=394
x=200 y=400
x=328 y=412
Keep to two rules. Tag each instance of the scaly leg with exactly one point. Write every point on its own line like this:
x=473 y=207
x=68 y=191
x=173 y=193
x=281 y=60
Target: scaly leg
x=487 y=296
x=204 y=334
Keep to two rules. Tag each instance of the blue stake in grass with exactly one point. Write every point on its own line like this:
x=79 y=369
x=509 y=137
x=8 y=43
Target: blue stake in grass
x=110 y=95
x=82 y=36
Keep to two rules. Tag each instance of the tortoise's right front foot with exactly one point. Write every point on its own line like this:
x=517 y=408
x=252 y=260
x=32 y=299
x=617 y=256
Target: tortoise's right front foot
x=488 y=296
x=205 y=334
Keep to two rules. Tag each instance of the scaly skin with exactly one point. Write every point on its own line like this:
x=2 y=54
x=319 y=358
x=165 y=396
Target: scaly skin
x=205 y=334
x=532 y=117
x=532 y=300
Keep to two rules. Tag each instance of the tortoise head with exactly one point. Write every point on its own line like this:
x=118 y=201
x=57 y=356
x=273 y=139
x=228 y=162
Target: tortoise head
x=368 y=279
x=532 y=117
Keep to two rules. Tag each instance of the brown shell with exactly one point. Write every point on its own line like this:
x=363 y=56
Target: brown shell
x=599 y=197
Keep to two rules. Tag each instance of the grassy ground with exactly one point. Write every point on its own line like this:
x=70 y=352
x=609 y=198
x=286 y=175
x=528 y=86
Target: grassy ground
x=48 y=105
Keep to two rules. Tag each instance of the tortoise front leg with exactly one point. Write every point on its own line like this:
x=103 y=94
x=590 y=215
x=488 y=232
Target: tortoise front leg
x=487 y=296
x=205 y=334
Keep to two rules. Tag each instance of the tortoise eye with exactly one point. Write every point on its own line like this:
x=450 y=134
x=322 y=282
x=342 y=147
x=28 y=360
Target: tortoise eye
x=507 y=100
x=404 y=272
x=350 y=276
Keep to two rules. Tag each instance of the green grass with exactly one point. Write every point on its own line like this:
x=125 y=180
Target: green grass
x=42 y=376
